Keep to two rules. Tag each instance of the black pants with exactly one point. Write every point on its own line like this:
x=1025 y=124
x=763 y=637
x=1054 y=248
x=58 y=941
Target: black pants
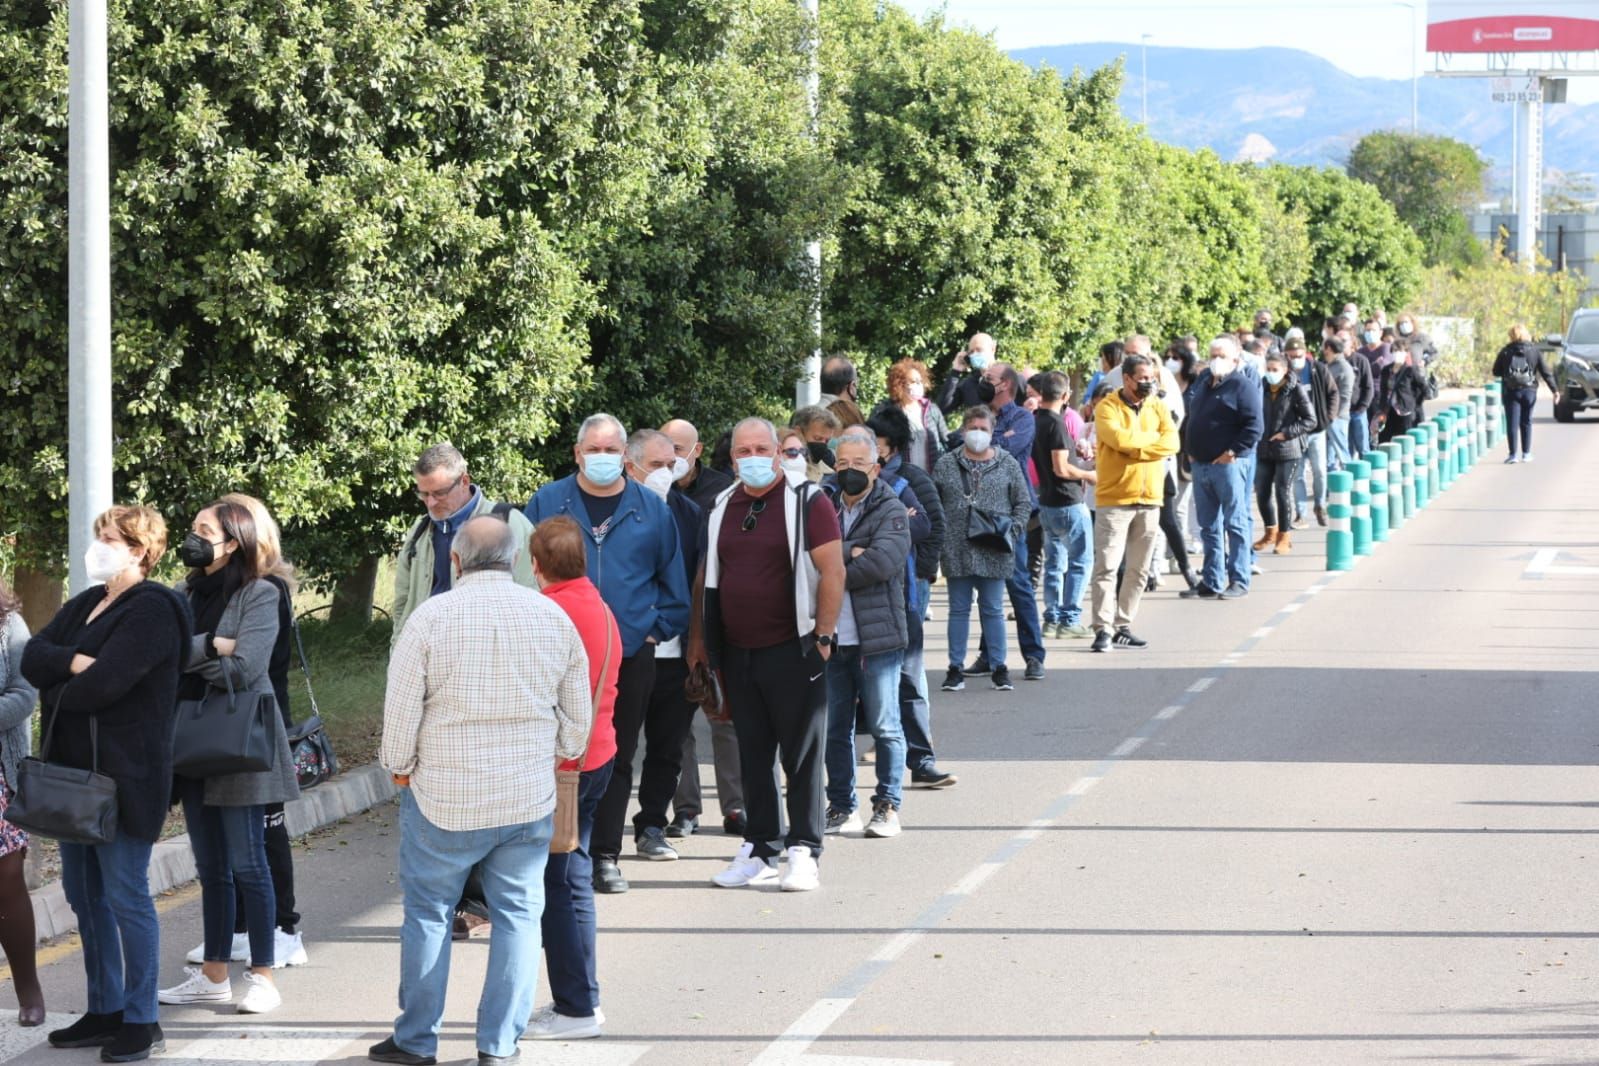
x=634 y=683
x=1395 y=426
x=1274 y=490
x=779 y=701
x=667 y=721
x=1176 y=545
x=1518 y=418
x=280 y=861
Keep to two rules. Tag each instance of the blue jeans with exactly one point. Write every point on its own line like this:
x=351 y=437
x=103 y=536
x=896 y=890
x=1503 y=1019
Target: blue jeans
x=108 y=888
x=873 y=680
x=1068 y=557
x=1221 y=497
x=1359 y=433
x=230 y=846
x=568 y=923
x=990 y=592
x=1316 y=458
x=1338 y=444
x=1024 y=602
x=915 y=714
x=434 y=864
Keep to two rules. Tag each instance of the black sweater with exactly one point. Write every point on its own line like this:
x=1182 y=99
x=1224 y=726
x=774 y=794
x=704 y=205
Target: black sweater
x=139 y=646
x=1532 y=355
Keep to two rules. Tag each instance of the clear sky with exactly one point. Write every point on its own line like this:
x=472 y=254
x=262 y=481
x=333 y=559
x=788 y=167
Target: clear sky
x=1370 y=38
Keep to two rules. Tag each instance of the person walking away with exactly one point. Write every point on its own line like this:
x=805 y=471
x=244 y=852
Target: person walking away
x=17 y=700
x=1289 y=419
x=1062 y=487
x=487 y=689
x=1223 y=426
x=979 y=477
x=767 y=609
x=109 y=663
x=236 y=620
x=1519 y=366
x=1134 y=433
x=568 y=925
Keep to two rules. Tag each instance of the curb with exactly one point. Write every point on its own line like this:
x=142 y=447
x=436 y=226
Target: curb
x=172 y=861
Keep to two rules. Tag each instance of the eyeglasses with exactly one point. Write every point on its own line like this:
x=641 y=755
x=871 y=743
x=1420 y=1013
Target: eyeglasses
x=441 y=495
x=748 y=525
x=793 y=453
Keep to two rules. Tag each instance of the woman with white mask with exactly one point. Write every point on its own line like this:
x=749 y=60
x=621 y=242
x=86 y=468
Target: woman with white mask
x=907 y=389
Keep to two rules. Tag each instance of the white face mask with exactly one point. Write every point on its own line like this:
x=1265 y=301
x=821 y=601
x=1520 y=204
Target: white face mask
x=680 y=468
x=1405 y=329
x=916 y=390
x=103 y=561
x=659 y=481
x=793 y=466
x=978 y=440
x=1220 y=368
x=1297 y=364
x=1175 y=366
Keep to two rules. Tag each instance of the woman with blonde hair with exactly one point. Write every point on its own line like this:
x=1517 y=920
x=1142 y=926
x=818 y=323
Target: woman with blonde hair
x=908 y=384
x=1518 y=366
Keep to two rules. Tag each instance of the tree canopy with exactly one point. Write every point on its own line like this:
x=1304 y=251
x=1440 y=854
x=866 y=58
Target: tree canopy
x=1431 y=181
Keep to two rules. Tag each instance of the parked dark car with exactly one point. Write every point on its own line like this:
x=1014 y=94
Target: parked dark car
x=1577 y=371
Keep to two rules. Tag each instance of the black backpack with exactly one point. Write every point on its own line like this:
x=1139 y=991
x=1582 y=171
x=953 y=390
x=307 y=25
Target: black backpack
x=1520 y=373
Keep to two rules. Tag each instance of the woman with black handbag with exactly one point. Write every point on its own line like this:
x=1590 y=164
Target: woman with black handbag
x=235 y=630
x=17 y=700
x=107 y=668
x=986 y=506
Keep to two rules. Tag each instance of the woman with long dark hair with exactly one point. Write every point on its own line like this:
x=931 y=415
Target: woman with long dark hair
x=17 y=700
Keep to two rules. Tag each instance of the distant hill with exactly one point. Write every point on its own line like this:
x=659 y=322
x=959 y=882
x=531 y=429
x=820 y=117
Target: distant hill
x=1295 y=107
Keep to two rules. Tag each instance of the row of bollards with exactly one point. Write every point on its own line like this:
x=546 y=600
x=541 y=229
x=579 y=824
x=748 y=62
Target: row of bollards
x=1378 y=492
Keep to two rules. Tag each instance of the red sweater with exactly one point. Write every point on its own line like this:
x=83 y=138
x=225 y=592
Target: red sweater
x=582 y=604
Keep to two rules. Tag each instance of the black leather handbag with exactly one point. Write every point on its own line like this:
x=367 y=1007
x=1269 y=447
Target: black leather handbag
x=64 y=802
x=225 y=733
x=984 y=529
x=309 y=744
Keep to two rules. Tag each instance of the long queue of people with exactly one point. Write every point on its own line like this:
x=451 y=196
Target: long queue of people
x=782 y=587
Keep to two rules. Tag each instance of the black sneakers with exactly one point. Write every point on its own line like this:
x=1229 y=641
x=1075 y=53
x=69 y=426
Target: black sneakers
x=1101 y=641
x=1001 y=679
x=651 y=844
x=954 y=680
x=91 y=1030
x=933 y=778
x=1034 y=671
x=978 y=668
x=134 y=1042
x=1124 y=639
x=683 y=825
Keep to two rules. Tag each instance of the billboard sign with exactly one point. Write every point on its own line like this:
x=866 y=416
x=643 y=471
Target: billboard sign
x=1512 y=26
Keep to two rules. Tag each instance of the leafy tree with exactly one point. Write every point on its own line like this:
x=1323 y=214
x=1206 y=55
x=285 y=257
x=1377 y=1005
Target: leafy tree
x=1431 y=181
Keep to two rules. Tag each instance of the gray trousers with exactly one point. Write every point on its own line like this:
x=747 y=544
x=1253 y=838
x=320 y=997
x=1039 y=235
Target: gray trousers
x=724 y=754
x=1122 y=532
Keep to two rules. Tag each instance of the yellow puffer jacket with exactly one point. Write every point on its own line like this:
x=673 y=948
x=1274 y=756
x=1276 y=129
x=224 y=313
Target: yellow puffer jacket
x=1132 y=449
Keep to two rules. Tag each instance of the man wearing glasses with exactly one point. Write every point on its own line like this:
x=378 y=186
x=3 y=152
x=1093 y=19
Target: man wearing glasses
x=768 y=595
x=452 y=500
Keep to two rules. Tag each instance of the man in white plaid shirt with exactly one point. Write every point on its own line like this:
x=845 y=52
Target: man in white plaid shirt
x=488 y=689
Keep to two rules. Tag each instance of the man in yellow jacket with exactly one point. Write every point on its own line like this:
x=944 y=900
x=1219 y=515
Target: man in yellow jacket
x=1135 y=433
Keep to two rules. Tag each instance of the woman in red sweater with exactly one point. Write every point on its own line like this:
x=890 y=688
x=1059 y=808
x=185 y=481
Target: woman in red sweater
x=560 y=562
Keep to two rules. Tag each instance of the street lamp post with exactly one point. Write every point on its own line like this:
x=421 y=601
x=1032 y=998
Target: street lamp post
x=1415 y=73
x=808 y=388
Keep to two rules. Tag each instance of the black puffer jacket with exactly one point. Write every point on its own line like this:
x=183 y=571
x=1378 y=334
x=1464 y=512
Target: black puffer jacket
x=1290 y=413
x=875 y=578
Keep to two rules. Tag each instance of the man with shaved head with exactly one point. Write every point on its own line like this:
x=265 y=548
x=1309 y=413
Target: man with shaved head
x=959 y=390
x=700 y=483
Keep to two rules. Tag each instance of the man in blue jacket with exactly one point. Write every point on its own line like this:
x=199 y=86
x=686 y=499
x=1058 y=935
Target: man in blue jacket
x=635 y=560
x=1223 y=427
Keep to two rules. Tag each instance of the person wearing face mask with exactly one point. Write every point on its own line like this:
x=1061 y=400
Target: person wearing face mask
x=635 y=559
x=669 y=718
x=794 y=456
x=1343 y=378
x=864 y=669
x=1263 y=329
x=841 y=390
x=1400 y=393
x=113 y=656
x=959 y=390
x=1223 y=426
x=907 y=391
x=1110 y=357
x=446 y=490
x=1410 y=334
x=236 y=628
x=820 y=428
x=1289 y=418
x=767 y=599
x=702 y=483
x=1318 y=382
x=1363 y=385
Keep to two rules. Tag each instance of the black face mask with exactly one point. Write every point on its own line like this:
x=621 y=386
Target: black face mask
x=196 y=552
x=1145 y=388
x=853 y=482
x=819 y=452
x=985 y=392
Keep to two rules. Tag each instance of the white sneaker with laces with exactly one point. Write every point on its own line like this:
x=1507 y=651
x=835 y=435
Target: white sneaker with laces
x=197 y=988
x=260 y=994
x=287 y=950
x=240 y=951
x=547 y=1024
x=802 y=874
x=745 y=869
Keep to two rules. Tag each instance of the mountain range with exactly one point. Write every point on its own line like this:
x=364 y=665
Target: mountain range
x=1290 y=106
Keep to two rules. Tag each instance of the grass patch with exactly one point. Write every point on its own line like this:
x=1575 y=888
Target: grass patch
x=349 y=668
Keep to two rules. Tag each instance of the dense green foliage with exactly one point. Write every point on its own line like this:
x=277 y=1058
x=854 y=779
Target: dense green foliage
x=344 y=229
x=1431 y=182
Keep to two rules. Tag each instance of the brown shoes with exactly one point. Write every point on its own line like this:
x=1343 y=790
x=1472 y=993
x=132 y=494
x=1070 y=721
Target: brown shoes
x=1268 y=540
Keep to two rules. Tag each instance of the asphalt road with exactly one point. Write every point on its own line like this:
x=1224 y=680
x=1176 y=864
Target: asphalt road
x=1348 y=819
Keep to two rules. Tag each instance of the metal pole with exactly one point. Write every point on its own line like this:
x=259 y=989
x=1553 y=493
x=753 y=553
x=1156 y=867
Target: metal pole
x=808 y=389
x=1415 y=79
x=1143 y=96
x=88 y=282
x=1529 y=165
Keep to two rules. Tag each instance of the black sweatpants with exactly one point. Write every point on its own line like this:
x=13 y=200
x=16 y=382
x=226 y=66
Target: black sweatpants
x=634 y=683
x=280 y=862
x=667 y=721
x=778 y=696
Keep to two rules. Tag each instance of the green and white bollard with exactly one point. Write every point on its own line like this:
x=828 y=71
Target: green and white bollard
x=1407 y=474
x=1340 y=537
x=1496 y=413
x=1435 y=484
x=1449 y=452
x=1360 y=506
x=1479 y=400
x=1473 y=428
x=1395 y=464
x=1378 y=462
x=1468 y=436
x=1421 y=477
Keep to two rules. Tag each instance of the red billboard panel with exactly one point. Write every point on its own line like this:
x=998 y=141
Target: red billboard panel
x=1513 y=26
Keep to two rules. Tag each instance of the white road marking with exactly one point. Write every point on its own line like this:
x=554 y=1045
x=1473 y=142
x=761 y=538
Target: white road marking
x=1263 y=632
x=1081 y=786
x=1290 y=608
x=1127 y=747
x=974 y=879
x=797 y=1038
x=1201 y=685
x=1168 y=712
x=895 y=946
x=1543 y=562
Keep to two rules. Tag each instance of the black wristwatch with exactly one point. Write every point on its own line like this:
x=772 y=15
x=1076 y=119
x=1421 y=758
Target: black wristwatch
x=826 y=641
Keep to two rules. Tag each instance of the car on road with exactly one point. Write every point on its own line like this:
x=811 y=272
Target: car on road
x=1577 y=371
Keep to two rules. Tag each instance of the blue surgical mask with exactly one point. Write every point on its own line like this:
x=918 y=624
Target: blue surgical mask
x=979 y=360
x=1274 y=377
x=756 y=471
x=602 y=468
x=1372 y=336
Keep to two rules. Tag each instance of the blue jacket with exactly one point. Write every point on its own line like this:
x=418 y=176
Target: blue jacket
x=690 y=530
x=1224 y=418
x=638 y=568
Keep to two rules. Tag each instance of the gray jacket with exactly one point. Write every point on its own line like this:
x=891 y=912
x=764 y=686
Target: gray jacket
x=251 y=619
x=1000 y=489
x=17 y=698
x=875 y=578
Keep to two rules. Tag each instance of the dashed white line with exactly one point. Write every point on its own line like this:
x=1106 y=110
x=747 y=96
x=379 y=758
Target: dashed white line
x=1201 y=685
x=1290 y=608
x=804 y=1032
x=1263 y=632
x=1168 y=712
x=975 y=878
x=1081 y=786
x=1127 y=747
x=896 y=945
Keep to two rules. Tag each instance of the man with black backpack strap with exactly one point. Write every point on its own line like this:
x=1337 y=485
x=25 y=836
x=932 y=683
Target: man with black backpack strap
x=452 y=500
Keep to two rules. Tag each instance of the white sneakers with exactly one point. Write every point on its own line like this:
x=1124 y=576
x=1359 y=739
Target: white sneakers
x=260 y=994
x=197 y=988
x=546 y=1024
x=802 y=874
x=745 y=869
x=287 y=950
